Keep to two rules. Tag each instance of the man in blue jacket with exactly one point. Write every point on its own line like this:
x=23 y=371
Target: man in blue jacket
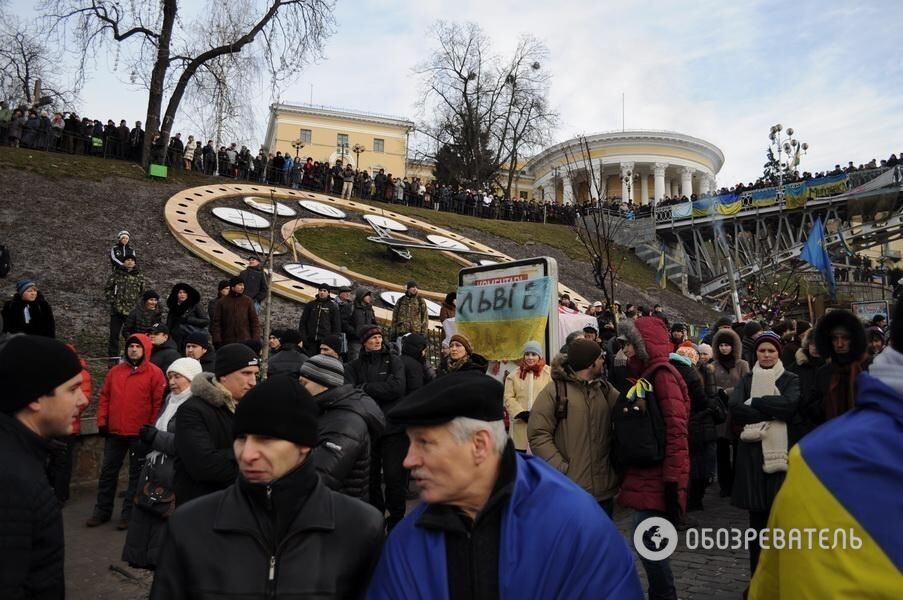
x=492 y=524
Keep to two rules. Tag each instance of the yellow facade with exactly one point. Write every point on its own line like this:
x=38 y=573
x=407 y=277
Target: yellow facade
x=331 y=134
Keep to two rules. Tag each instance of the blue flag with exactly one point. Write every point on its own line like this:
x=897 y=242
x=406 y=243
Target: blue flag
x=815 y=253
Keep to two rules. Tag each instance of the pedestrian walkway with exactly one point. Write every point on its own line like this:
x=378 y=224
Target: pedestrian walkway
x=94 y=569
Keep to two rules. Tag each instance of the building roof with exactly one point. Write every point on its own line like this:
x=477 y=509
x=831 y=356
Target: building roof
x=342 y=113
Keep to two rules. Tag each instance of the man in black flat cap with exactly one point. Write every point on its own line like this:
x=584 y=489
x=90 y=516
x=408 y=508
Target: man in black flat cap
x=41 y=381
x=320 y=318
x=278 y=531
x=493 y=523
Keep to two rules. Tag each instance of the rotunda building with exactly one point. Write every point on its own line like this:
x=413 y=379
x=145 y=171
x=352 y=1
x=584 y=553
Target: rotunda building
x=635 y=165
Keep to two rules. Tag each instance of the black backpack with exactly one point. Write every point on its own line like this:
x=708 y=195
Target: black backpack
x=638 y=427
x=6 y=261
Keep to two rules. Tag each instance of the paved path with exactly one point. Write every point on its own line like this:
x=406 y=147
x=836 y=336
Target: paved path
x=90 y=554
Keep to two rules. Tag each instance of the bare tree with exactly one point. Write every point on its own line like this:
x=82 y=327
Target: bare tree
x=596 y=227
x=26 y=59
x=484 y=112
x=167 y=50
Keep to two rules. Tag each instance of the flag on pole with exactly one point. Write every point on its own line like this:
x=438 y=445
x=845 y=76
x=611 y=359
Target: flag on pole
x=816 y=254
x=660 y=274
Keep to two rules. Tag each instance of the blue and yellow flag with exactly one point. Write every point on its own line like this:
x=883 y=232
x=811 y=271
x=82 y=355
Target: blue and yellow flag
x=661 y=275
x=844 y=485
x=815 y=252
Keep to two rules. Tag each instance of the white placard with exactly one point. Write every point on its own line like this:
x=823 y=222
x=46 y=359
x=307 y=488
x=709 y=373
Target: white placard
x=237 y=216
x=446 y=242
x=385 y=223
x=264 y=205
x=391 y=298
x=324 y=210
x=316 y=275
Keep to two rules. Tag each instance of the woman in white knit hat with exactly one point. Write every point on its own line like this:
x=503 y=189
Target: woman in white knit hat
x=154 y=499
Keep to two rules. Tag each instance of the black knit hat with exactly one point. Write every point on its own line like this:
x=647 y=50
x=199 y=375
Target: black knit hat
x=233 y=281
x=334 y=342
x=279 y=408
x=148 y=294
x=289 y=336
x=582 y=353
x=234 y=357
x=223 y=284
x=32 y=366
x=198 y=338
x=459 y=394
x=368 y=331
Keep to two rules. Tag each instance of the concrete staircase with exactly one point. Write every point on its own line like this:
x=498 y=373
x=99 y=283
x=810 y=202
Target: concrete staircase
x=651 y=253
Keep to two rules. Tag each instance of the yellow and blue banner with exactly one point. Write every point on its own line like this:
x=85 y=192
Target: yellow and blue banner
x=796 y=194
x=828 y=186
x=499 y=318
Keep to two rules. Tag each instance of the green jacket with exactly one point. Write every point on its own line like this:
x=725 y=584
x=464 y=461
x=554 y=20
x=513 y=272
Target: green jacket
x=6 y=115
x=123 y=290
x=410 y=316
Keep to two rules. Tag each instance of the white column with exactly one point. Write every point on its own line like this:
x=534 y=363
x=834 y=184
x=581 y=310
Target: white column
x=659 y=184
x=568 y=196
x=709 y=183
x=626 y=172
x=674 y=188
x=602 y=179
x=686 y=182
x=644 y=188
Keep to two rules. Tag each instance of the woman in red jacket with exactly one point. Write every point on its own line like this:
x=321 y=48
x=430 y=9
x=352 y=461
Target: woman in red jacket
x=660 y=490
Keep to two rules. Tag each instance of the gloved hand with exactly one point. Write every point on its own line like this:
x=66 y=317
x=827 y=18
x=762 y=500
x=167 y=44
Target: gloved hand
x=672 y=502
x=103 y=431
x=722 y=395
x=147 y=433
x=524 y=416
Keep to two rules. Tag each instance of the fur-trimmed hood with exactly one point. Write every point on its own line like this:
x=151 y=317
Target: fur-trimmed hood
x=833 y=320
x=628 y=329
x=728 y=336
x=206 y=387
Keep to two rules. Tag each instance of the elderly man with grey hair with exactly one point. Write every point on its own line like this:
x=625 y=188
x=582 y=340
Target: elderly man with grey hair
x=492 y=523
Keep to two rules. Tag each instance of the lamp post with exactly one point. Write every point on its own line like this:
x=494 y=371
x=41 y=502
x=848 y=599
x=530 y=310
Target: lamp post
x=628 y=181
x=783 y=142
x=297 y=145
x=358 y=149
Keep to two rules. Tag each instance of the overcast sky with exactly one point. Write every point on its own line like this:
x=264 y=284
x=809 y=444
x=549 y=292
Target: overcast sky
x=722 y=71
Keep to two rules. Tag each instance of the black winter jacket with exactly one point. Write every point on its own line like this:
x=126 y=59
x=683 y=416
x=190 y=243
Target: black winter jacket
x=41 y=321
x=31 y=525
x=349 y=419
x=205 y=461
x=226 y=545
x=180 y=318
x=255 y=283
x=753 y=488
x=287 y=361
x=361 y=314
x=140 y=320
x=380 y=375
x=319 y=319
x=164 y=355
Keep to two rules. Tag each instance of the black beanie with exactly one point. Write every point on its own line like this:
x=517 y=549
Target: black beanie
x=582 y=353
x=198 y=338
x=334 y=342
x=279 y=408
x=234 y=357
x=32 y=366
x=147 y=295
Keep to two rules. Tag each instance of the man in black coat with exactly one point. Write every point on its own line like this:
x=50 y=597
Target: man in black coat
x=319 y=319
x=198 y=347
x=361 y=316
x=380 y=375
x=255 y=282
x=164 y=351
x=41 y=381
x=204 y=459
x=289 y=358
x=278 y=530
x=348 y=420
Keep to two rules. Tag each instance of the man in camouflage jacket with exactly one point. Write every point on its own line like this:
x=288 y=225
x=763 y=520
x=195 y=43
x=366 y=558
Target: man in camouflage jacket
x=410 y=314
x=123 y=291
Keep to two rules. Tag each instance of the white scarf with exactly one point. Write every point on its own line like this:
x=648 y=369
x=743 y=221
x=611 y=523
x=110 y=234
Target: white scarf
x=771 y=434
x=764 y=381
x=172 y=405
x=888 y=369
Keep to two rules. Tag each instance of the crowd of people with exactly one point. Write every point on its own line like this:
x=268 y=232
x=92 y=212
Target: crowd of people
x=296 y=480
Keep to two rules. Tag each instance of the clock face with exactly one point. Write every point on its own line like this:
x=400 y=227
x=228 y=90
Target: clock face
x=385 y=223
x=446 y=242
x=316 y=275
x=236 y=216
x=264 y=205
x=251 y=242
x=391 y=298
x=486 y=262
x=324 y=210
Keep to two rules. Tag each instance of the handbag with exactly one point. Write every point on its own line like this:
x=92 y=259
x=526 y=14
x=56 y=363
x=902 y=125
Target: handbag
x=155 y=493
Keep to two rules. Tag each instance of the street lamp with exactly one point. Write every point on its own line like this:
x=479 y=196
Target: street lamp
x=358 y=149
x=785 y=145
x=297 y=145
x=628 y=181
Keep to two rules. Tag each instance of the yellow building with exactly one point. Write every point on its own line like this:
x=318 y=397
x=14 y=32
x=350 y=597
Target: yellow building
x=330 y=134
x=521 y=187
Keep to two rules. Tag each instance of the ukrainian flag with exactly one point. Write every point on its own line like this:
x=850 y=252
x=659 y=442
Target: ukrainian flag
x=845 y=475
x=661 y=275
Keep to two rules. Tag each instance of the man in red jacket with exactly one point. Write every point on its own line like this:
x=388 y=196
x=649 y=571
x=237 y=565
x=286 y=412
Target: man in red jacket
x=131 y=396
x=660 y=490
